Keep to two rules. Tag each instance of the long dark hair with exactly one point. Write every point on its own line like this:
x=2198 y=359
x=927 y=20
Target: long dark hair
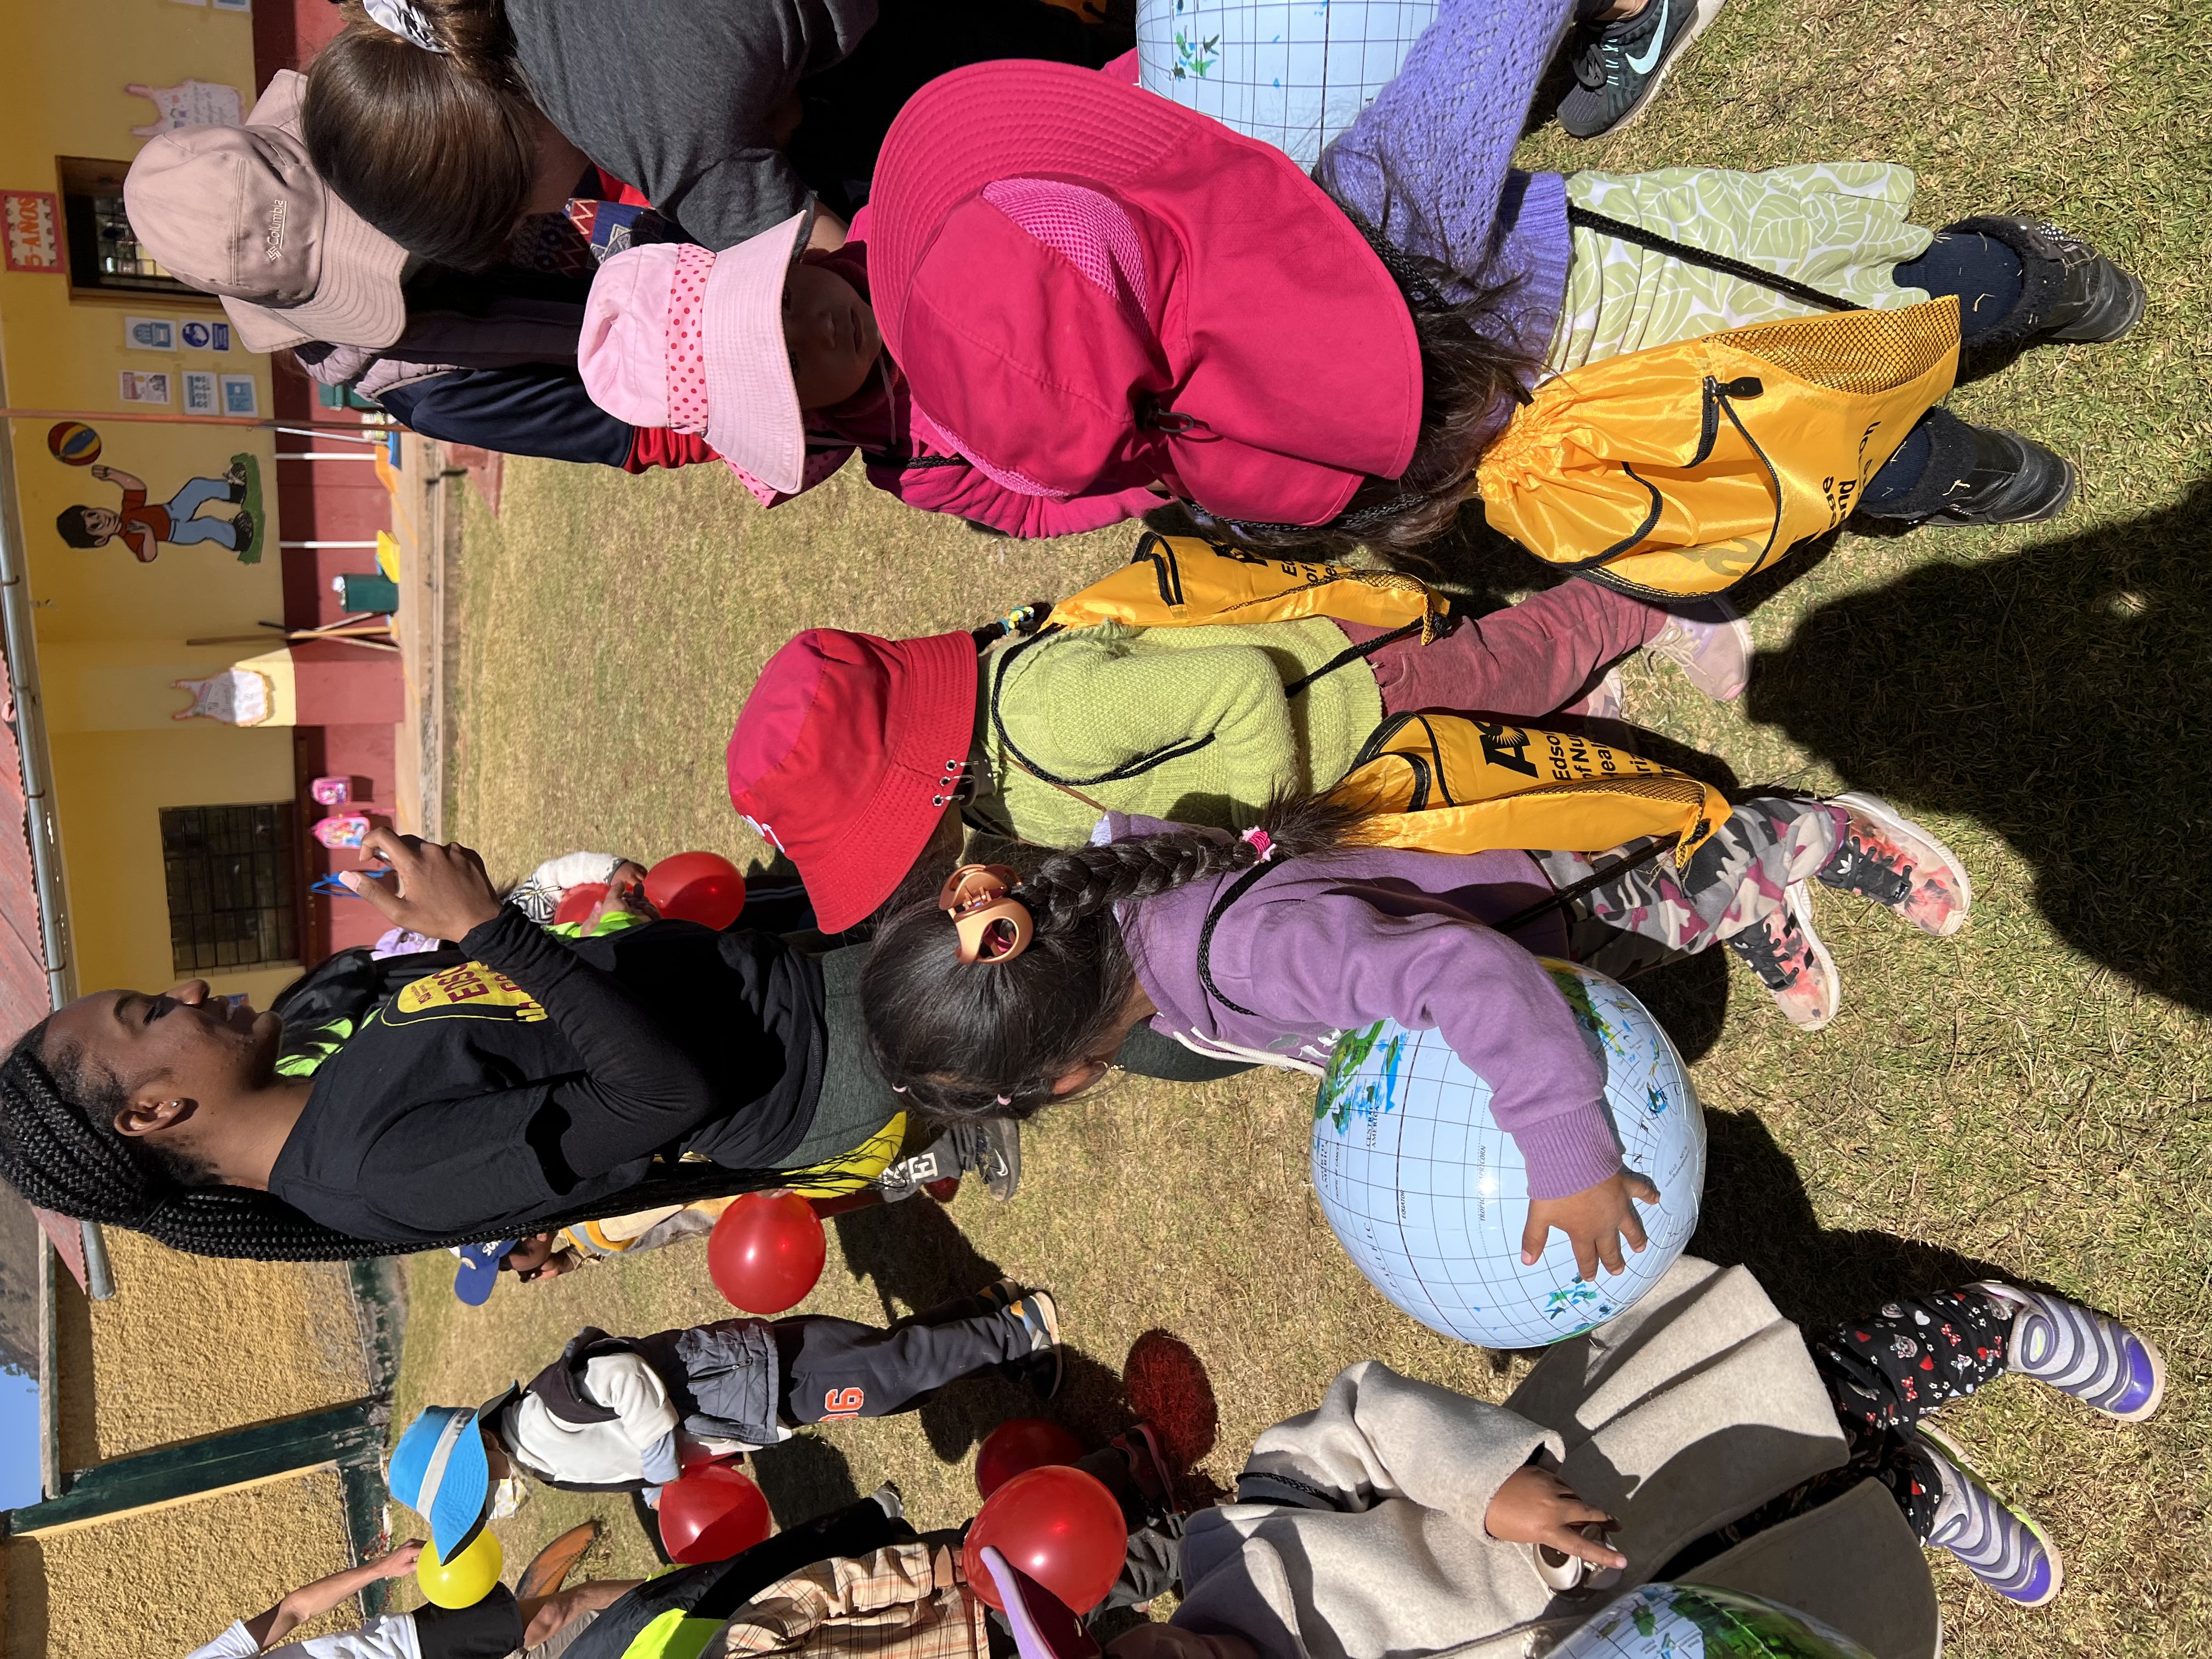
x=438 y=150
x=1469 y=381
x=965 y=1042
x=59 y=1148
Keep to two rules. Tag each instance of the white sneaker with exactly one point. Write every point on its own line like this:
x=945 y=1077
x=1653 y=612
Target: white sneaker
x=1710 y=643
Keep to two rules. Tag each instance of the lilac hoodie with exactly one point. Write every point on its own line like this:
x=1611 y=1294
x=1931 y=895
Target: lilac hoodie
x=1429 y=162
x=1325 y=944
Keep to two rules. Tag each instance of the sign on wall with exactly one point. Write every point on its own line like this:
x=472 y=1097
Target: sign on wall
x=188 y=104
x=150 y=334
x=134 y=387
x=31 y=221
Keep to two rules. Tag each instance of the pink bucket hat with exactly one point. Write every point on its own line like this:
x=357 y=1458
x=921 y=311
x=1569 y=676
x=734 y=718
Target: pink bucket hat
x=679 y=336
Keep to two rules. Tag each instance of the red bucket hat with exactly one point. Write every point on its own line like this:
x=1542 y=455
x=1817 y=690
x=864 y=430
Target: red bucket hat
x=845 y=754
x=1087 y=286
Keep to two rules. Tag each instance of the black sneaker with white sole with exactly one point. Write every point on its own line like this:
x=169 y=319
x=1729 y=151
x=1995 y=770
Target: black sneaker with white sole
x=1619 y=66
x=1973 y=475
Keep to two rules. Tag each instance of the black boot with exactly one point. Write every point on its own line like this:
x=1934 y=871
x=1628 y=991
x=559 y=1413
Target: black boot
x=1976 y=475
x=2068 y=291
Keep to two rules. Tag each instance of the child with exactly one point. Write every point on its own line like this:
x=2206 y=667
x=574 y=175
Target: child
x=1401 y=1517
x=617 y=1414
x=531 y=1083
x=1270 y=945
x=861 y=757
x=1086 y=297
x=177 y=521
x=493 y=1628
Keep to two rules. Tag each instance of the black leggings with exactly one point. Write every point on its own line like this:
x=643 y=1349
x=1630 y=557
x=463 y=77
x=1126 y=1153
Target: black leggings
x=1884 y=1374
x=838 y=1368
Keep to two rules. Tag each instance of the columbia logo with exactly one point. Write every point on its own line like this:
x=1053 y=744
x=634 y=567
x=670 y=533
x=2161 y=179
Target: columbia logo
x=272 y=245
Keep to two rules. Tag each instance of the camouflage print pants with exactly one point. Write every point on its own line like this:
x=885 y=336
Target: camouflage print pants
x=1653 y=913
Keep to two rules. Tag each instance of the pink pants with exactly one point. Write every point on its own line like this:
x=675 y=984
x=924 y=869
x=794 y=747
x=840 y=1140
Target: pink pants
x=1529 y=659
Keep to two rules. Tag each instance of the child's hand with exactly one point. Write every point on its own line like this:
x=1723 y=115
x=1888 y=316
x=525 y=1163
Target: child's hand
x=1535 y=1506
x=1594 y=1220
x=443 y=890
x=103 y=473
x=401 y=1561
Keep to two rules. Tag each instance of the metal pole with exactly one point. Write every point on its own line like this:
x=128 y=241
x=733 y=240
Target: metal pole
x=159 y=418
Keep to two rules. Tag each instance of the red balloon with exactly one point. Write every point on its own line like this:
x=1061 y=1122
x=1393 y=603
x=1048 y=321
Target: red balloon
x=577 y=902
x=712 y=1514
x=1059 y=1526
x=767 y=1251
x=1026 y=1442
x=703 y=887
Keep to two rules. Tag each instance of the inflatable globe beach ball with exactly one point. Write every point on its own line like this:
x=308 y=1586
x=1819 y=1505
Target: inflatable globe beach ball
x=1287 y=72
x=1428 y=1195
x=1691 y=1621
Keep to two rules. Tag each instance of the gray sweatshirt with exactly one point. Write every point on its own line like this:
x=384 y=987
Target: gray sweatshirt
x=673 y=96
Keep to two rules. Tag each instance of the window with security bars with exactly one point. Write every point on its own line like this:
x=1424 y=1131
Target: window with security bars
x=230 y=872
x=105 y=255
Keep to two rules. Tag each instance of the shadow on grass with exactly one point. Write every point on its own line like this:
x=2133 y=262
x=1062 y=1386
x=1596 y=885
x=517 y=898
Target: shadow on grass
x=918 y=1258
x=1757 y=1215
x=2058 y=697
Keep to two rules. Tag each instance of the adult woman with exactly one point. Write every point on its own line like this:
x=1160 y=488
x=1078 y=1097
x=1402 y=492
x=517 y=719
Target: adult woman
x=533 y=1085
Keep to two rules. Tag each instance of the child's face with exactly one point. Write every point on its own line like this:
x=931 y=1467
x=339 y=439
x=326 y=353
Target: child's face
x=537 y=1258
x=102 y=521
x=831 y=334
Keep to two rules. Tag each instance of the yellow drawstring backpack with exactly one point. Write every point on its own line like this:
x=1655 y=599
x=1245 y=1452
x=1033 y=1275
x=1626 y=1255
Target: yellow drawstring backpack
x=1440 y=782
x=1683 y=468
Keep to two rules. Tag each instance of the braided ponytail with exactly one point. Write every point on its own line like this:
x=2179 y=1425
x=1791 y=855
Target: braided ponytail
x=971 y=1041
x=60 y=1150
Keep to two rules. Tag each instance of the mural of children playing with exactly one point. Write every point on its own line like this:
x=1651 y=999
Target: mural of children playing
x=178 y=521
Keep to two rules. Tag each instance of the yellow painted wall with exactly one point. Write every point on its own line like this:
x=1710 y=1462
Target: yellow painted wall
x=190 y=1345
x=112 y=630
x=68 y=68
x=156 y=1584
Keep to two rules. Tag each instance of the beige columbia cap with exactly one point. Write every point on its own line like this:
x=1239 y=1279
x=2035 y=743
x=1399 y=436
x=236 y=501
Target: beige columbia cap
x=238 y=212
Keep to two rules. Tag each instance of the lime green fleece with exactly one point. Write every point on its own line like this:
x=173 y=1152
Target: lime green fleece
x=1083 y=704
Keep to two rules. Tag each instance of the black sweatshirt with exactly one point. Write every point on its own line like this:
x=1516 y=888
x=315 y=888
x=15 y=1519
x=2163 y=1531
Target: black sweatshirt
x=540 y=1075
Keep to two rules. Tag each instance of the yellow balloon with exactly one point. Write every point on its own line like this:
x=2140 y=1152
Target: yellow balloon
x=467 y=1578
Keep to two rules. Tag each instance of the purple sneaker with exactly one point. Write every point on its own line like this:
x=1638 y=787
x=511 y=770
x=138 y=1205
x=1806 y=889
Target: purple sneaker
x=2081 y=1351
x=2005 y=1549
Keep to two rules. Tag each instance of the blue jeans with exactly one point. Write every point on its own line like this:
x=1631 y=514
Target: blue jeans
x=188 y=529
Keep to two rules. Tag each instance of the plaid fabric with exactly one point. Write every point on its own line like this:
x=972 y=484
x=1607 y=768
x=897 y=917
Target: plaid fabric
x=903 y=1602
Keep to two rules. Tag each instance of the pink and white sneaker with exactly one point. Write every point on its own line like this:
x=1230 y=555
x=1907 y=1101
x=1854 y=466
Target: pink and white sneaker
x=1709 y=643
x=1887 y=857
x=1790 y=961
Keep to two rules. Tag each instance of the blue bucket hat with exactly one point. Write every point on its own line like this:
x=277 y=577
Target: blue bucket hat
x=479 y=1270
x=440 y=1471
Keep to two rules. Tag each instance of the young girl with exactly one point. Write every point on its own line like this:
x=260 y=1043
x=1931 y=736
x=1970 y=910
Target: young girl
x=864 y=756
x=1087 y=296
x=1269 y=945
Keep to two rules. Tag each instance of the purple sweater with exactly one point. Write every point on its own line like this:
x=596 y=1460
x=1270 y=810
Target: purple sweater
x=1427 y=163
x=1328 y=945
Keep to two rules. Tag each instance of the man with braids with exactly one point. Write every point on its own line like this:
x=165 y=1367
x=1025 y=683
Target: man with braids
x=1267 y=946
x=537 y=1082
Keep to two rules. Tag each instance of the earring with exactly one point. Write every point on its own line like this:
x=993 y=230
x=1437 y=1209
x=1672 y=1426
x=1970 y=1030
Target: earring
x=992 y=925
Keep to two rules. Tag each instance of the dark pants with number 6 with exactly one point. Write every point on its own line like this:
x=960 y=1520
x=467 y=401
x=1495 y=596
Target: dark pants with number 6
x=839 y=1367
